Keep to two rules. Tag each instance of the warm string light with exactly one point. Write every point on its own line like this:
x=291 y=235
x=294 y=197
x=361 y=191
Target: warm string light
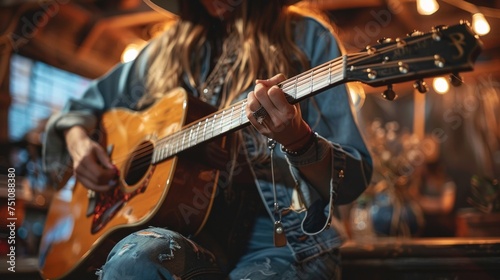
x=440 y=85
x=131 y=51
x=479 y=23
x=427 y=7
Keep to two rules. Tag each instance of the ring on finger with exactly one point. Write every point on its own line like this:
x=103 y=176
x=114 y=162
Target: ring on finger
x=260 y=115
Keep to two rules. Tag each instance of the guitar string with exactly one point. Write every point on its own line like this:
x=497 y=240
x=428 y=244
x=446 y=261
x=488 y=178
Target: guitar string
x=307 y=79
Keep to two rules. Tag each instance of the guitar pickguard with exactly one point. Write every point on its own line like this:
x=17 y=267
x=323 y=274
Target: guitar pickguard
x=107 y=204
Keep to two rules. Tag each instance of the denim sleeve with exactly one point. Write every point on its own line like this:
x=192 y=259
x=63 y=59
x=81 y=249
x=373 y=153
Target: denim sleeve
x=122 y=86
x=330 y=115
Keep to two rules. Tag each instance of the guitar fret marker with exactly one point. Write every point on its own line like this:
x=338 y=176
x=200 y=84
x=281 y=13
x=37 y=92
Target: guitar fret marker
x=190 y=135
x=205 y=129
x=163 y=149
x=213 y=124
x=311 y=81
x=232 y=115
x=198 y=130
x=222 y=121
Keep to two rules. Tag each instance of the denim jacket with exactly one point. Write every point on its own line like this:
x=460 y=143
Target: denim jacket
x=307 y=230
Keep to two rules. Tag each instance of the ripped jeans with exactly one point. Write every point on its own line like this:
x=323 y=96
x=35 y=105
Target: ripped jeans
x=157 y=253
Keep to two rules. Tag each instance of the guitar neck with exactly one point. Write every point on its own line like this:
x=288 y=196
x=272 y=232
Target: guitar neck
x=234 y=117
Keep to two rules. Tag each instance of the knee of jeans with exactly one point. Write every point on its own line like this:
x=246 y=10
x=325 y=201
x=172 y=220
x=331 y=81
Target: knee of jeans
x=142 y=249
x=152 y=242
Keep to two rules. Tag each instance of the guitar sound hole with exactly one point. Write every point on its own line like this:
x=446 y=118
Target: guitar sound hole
x=139 y=163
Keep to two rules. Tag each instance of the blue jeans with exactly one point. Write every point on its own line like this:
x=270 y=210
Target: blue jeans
x=157 y=253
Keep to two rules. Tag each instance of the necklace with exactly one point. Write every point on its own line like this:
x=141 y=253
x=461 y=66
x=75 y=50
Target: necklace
x=215 y=81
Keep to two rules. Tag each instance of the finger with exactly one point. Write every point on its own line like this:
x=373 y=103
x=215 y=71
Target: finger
x=259 y=104
x=95 y=174
x=269 y=95
x=261 y=97
x=103 y=158
x=252 y=102
x=90 y=168
x=107 y=170
x=271 y=115
x=262 y=87
x=94 y=181
x=277 y=97
x=272 y=81
x=255 y=116
x=252 y=107
x=89 y=184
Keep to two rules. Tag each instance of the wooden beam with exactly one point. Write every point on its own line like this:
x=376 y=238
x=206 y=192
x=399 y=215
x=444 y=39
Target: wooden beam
x=340 y=5
x=118 y=22
x=91 y=67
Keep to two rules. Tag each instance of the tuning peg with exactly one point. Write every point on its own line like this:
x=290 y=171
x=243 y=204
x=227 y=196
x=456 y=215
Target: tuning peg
x=456 y=80
x=415 y=33
x=439 y=27
x=370 y=49
x=464 y=21
x=384 y=40
x=389 y=94
x=436 y=32
x=421 y=86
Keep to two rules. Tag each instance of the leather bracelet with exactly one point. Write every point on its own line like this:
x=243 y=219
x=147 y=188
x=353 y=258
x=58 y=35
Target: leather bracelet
x=304 y=148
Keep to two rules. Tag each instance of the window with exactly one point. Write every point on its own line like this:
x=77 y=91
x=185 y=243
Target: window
x=37 y=91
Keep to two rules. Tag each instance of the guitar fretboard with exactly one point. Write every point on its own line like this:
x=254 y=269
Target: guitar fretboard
x=234 y=117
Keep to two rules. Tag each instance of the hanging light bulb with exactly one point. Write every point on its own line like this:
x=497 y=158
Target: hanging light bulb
x=130 y=52
x=427 y=7
x=440 y=85
x=480 y=24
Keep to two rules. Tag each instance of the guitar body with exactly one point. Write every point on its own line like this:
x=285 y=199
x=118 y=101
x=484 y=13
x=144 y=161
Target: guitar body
x=82 y=226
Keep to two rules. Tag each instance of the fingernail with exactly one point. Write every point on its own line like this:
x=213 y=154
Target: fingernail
x=117 y=171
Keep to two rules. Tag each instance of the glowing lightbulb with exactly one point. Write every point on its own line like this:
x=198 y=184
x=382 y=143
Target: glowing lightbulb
x=480 y=24
x=427 y=7
x=130 y=53
x=440 y=85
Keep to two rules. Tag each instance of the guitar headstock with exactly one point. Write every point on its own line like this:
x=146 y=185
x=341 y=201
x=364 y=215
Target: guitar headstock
x=444 y=50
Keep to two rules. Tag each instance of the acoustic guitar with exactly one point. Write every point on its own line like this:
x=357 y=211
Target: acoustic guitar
x=159 y=186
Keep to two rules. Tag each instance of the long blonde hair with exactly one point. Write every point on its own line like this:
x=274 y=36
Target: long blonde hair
x=264 y=29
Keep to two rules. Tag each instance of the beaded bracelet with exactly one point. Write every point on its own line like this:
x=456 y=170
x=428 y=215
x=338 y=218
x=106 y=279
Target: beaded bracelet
x=304 y=148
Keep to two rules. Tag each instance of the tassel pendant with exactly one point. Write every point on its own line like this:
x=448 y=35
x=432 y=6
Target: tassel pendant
x=279 y=230
x=279 y=234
